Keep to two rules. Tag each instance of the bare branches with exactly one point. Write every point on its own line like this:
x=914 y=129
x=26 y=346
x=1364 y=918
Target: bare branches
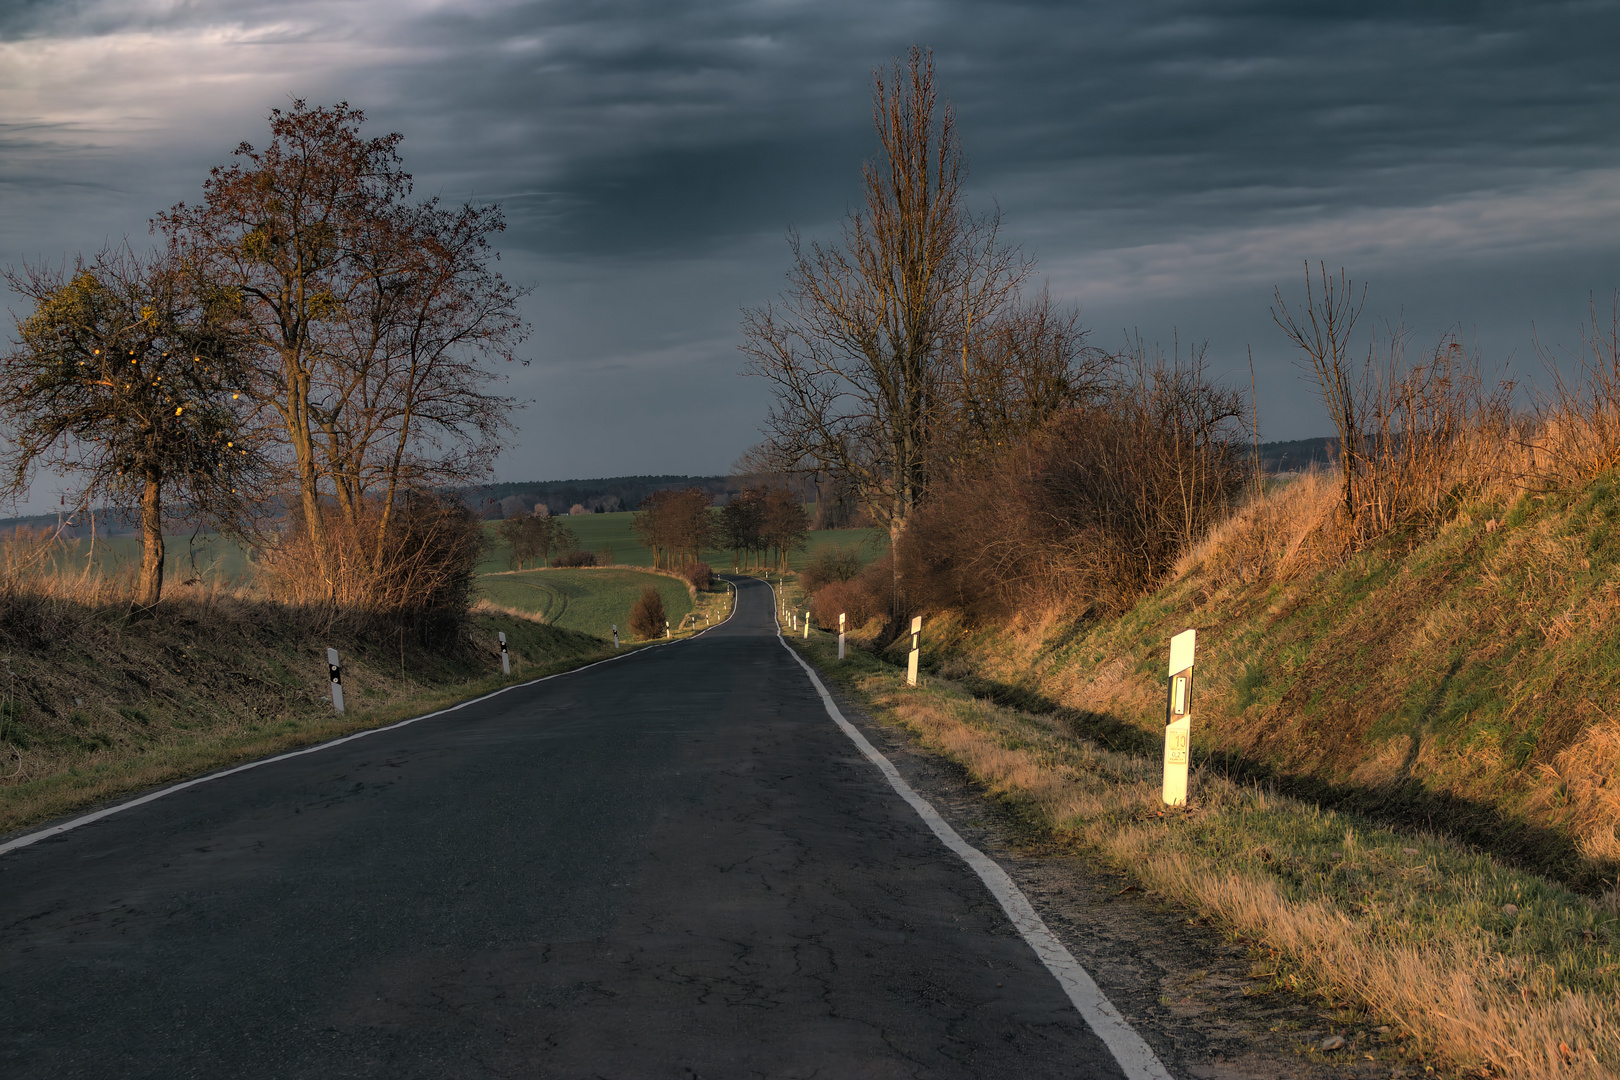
x=1322 y=333
x=1414 y=437
x=372 y=318
x=855 y=351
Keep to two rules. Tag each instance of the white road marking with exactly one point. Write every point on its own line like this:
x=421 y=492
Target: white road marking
x=1134 y=1055
x=118 y=808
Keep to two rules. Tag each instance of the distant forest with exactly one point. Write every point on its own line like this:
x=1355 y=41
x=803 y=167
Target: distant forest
x=615 y=493
x=606 y=495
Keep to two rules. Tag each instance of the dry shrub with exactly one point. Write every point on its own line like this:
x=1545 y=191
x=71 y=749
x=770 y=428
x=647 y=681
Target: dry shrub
x=853 y=599
x=1416 y=439
x=1093 y=512
x=576 y=558
x=1577 y=435
x=697 y=575
x=1439 y=435
x=829 y=565
x=647 y=618
x=419 y=575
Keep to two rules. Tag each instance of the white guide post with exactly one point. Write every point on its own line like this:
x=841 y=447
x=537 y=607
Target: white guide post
x=335 y=669
x=1178 y=718
x=666 y=628
x=506 y=660
x=840 y=635
x=615 y=635
x=807 y=626
x=916 y=645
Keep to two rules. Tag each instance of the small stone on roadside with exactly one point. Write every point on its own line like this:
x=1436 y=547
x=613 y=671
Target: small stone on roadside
x=1510 y=909
x=1332 y=1042
x=1410 y=850
x=1382 y=1029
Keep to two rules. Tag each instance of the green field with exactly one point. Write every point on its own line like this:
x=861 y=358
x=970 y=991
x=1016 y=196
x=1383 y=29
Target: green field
x=589 y=601
x=210 y=557
x=610 y=536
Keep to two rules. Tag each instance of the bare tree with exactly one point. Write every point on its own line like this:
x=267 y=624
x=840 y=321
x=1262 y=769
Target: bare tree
x=368 y=316
x=126 y=377
x=1023 y=366
x=855 y=349
x=1321 y=331
x=676 y=525
x=408 y=409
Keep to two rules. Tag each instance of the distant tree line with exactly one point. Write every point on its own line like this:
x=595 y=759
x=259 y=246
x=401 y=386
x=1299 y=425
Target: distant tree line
x=760 y=526
x=532 y=539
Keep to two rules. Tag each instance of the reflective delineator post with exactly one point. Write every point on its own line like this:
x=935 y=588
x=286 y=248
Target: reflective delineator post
x=666 y=628
x=807 y=626
x=840 y=635
x=916 y=646
x=615 y=635
x=335 y=669
x=1178 y=718
x=506 y=660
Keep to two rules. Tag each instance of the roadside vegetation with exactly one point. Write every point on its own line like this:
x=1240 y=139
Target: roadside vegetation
x=295 y=379
x=1404 y=747
x=95 y=704
x=1421 y=951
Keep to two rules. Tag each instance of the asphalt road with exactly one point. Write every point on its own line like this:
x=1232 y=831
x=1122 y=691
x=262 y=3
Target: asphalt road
x=670 y=865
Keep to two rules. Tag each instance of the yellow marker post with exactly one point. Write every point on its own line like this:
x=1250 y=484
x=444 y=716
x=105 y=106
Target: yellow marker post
x=916 y=646
x=1178 y=718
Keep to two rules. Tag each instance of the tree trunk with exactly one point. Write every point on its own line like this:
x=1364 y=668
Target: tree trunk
x=150 y=589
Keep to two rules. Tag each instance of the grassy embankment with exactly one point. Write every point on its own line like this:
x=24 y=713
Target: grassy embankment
x=94 y=706
x=1439 y=858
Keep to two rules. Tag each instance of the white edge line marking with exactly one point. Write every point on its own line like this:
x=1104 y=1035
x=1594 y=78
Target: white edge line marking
x=117 y=808
x=1134 y=1055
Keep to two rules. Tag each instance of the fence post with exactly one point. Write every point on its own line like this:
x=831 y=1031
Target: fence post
x=335 y=669
x=506 y=660
x=916 y=646
x=1178 y=718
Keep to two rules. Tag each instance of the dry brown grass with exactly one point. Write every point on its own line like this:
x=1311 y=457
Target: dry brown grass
x=1580 y=791
x=1474 y=965
x=1288 y=529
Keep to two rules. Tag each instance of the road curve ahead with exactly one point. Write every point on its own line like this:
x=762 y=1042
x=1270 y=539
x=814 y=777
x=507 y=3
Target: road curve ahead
x=669 y=865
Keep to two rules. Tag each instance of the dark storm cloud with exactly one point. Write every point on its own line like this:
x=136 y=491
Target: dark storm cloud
x=1166 y=161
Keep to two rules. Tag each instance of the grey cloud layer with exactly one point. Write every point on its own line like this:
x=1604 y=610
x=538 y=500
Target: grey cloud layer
x=1157 y=157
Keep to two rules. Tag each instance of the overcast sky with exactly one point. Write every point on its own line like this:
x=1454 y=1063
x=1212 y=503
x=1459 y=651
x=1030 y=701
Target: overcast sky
x=1167 y=164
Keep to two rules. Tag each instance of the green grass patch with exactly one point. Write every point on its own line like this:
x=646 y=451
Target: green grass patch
x=585 y=601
